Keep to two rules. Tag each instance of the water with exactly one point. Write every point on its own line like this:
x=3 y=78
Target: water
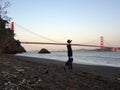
x=82 y=57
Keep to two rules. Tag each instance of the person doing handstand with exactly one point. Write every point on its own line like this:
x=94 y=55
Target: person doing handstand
x=70 y=55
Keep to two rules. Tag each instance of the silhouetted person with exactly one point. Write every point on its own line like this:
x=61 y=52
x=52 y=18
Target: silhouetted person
x=70 y=54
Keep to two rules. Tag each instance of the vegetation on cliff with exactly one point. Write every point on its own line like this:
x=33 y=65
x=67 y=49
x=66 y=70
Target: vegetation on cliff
x=7 y=42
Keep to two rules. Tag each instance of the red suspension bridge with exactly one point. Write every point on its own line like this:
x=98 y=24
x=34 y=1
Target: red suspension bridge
x=101 y=45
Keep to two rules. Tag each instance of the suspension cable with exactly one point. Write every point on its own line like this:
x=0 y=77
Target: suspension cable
x=36 y=34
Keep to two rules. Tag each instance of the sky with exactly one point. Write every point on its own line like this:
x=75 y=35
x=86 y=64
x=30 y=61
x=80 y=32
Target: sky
x=83 y=21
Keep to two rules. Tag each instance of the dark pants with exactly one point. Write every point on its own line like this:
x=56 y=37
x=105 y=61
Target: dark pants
x=69 y=63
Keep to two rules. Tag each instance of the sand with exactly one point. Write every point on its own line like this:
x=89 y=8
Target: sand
x=26 y=73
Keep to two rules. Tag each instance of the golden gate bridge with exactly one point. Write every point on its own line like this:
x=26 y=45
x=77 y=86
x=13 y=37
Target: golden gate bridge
x=101 y=45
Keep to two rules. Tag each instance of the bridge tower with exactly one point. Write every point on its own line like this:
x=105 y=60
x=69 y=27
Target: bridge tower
x=101 y=44
x=12 y=26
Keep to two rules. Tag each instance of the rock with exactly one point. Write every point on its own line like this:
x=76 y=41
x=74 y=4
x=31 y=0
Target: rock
x=44 y=51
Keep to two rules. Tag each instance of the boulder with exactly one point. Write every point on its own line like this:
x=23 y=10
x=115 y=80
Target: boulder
x=43 y=50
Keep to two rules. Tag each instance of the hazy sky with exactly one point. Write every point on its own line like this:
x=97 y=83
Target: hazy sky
x=83 y=21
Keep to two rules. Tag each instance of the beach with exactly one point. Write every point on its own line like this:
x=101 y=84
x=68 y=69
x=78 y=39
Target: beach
x=27 y=73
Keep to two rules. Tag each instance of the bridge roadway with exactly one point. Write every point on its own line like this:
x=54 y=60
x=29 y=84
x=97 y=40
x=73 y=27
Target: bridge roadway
x=66 y=44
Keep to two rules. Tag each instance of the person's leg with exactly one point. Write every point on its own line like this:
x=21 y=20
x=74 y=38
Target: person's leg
x=68 y=63
x=71 y=67
x=71 y=60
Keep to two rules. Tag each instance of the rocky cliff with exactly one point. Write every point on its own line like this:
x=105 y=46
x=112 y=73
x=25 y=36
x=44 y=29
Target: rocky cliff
x=7 y=42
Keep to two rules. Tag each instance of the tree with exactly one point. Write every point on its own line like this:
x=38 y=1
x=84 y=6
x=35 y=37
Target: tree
x=4 y=19
x=4 y=4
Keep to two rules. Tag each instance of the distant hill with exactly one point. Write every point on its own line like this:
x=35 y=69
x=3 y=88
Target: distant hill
x=105 y=49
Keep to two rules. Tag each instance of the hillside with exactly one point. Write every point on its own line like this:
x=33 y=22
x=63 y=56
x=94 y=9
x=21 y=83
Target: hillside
x=7 y=42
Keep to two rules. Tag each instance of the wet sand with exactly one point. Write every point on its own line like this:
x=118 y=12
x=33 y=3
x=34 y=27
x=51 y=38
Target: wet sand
x=26 y=73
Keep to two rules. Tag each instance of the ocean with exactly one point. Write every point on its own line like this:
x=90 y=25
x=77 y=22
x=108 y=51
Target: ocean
x=82 y=57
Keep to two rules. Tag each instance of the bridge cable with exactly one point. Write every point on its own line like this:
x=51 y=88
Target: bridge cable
x=36 y=34
x=91 y=41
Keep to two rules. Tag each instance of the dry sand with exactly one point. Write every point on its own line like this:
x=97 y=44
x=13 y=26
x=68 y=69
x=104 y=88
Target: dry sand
x=23 y=73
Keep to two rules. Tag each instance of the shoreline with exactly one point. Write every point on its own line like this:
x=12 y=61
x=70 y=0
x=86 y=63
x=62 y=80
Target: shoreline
x=109 y=71
x=105 y=71
x=112 y=61
x=87 y=64
x=46 y=74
